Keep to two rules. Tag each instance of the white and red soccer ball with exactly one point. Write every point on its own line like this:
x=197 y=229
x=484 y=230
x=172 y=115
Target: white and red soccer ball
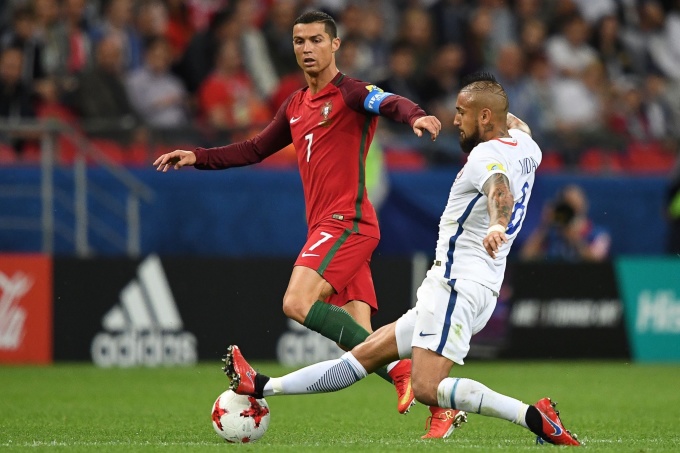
x=238 y=418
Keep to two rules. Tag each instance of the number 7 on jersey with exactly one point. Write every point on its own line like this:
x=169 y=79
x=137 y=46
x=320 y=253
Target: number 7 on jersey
x=309 y=138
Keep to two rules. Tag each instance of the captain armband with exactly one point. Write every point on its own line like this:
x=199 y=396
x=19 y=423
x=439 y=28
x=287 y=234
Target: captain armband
x=374 y=99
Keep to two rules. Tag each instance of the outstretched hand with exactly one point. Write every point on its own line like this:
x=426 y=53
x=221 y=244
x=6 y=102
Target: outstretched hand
x=176 y=159
x=427 y=123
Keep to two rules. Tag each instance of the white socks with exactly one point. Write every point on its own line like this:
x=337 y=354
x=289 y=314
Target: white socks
x=471 y=396
x=391 y=365
x=328 y=376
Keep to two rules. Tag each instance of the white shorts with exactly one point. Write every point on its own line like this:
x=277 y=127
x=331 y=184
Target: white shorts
x=447 y=314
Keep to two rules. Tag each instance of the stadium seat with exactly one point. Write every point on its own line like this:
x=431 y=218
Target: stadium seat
x=67 y=150
x=648 y=158
x=31 y=153
x=552 y=162
x=141 y=154
x=597 y=160
x=112 y=149
x=404 y=159
x=7 y=155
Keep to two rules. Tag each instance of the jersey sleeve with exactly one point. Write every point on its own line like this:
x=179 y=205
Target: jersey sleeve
x=482 y=164
x=366 y=98
x=273 y=138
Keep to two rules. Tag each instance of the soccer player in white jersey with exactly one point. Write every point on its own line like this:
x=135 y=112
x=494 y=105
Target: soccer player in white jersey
x=484 y=213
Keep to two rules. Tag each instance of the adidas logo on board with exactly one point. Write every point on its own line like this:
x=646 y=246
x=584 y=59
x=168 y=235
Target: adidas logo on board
x=145 y=328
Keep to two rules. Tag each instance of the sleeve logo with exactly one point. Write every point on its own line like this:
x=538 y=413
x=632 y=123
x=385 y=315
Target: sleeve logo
x=496 y=166
x=372 y=88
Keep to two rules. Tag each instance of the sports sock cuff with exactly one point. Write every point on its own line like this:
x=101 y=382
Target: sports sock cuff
x=534 y=421
x=356 y=366
x=391 y=365
x=335 y=324
x=260 y=381
x=446 y=393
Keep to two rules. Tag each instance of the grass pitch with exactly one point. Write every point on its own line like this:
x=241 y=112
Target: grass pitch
x=612 y=406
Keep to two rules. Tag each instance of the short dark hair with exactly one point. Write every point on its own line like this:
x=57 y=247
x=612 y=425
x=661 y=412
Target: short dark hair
x=311 y=17
x=480 y=76
x=484 y=81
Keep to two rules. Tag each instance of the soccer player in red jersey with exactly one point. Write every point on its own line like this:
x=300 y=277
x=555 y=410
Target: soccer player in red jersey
x=331 y=123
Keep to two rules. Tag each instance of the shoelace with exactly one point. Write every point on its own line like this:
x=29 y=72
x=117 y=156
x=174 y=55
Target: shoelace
x=400 y=383
x=446 y=415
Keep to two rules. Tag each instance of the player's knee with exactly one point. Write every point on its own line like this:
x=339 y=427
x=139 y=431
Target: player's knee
x=295 y=308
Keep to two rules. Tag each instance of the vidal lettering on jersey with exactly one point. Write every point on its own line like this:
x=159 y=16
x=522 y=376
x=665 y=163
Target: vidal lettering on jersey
x=528 y=165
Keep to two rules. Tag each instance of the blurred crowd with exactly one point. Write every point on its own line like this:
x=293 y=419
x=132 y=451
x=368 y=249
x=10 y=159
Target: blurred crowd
x=598 y=81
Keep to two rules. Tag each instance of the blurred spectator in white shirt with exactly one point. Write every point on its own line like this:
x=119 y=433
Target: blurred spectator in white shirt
x=510 y=70
x=594 y=10
x=569 y=52
x=664 y=47
x=156 y=94
x=254 y=50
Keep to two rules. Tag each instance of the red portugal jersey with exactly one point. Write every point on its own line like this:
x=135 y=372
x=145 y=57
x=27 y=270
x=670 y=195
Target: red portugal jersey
x=331 y=131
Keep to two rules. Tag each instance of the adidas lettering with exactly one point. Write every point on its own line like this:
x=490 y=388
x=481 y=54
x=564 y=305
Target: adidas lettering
x=145 y=328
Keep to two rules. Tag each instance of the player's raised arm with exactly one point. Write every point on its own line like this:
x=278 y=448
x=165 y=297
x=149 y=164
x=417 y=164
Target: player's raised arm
x=516 y=123
x=497 y=190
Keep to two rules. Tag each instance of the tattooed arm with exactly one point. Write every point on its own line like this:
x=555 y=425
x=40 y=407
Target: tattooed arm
x=501 y=201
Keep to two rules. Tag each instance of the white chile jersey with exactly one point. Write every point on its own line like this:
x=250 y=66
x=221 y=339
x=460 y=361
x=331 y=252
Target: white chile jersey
x=460 y=253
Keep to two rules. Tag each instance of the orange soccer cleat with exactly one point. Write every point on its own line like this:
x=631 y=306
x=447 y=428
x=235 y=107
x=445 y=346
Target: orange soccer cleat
x=241 y=374
x=554 y=431
x=443 y=421
x=401 y=375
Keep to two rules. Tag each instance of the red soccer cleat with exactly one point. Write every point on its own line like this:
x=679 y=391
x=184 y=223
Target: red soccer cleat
x=554 y=431
x=401 y=375
x=241 y=374
x=443 y=421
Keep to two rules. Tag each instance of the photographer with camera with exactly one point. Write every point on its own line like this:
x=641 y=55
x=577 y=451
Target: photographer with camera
x=566 y=233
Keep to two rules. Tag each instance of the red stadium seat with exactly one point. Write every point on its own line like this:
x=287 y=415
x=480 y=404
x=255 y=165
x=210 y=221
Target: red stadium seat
x=31 y=153
x=552 y=162
x=67 y=150
x=404 y=159
x=596 y=160
x=111 y=149
x=7 y=155
x=140 y=154
x=648 y=158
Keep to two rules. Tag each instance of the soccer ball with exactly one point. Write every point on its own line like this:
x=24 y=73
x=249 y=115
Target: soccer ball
x=239 y=418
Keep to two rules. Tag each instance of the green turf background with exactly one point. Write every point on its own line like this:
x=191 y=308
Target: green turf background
x=72 y=407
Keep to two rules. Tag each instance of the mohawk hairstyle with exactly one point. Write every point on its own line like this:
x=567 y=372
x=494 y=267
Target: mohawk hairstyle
x=484 y=81
x=311 y=17
x=480 y=76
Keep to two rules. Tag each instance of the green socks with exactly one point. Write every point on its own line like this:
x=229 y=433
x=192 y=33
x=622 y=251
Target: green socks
x=337 y=325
